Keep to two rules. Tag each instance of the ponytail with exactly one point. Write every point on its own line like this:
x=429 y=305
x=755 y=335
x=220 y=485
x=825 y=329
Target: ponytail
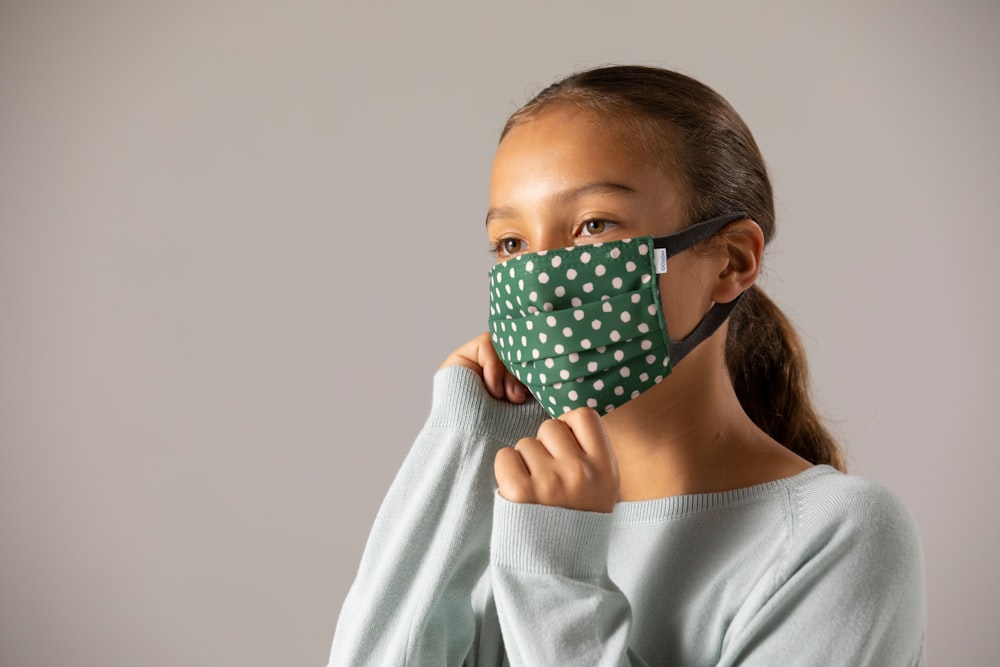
x=767 y=364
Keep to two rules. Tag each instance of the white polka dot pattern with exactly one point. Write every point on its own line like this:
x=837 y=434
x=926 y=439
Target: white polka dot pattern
x=581 y=325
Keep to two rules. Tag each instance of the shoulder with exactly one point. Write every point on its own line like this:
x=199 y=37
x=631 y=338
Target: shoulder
x=855 y=525
x=828 y=499
x=848 y=587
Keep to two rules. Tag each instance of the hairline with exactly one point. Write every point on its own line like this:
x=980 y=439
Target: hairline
x=657 y=141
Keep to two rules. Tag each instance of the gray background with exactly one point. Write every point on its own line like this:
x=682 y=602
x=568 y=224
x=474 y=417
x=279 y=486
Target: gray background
x=236 y=239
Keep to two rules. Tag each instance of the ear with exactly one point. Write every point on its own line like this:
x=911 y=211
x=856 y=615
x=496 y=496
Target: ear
x=743 y=244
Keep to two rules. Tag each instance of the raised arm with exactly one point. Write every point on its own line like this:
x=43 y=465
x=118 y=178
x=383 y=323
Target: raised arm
x=410 y=602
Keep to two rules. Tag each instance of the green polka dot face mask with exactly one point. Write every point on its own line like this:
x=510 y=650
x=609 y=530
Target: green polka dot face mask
x=583 y=326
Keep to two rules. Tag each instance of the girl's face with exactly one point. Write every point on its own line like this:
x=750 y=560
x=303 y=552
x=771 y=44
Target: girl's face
x=566 y=178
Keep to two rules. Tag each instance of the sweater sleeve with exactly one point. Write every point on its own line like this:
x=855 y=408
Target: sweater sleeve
x=847 y=588
x=410 y=601
x=850 y=590
x=555 y=601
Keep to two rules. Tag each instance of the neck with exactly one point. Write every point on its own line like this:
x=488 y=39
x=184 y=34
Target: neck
x=689 y=434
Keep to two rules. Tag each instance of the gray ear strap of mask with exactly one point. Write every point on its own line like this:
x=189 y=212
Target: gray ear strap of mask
x=718 y=313
x=713 y=319
x=691 y=236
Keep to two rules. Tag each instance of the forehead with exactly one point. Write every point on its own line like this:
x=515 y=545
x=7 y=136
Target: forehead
x=569 y=145
x=572 y=162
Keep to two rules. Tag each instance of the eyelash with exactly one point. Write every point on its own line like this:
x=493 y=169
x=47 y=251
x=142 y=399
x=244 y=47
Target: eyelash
x=496 y=249
x=602 y=221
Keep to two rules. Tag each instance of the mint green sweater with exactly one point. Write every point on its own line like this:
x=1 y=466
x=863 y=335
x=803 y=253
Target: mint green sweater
x=818 y=569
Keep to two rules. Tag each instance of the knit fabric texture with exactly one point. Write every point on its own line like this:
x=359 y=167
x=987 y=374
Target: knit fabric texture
x=818 y=569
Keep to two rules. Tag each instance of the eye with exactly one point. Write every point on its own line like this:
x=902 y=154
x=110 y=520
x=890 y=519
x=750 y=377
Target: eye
x=507 y=247
x=596 y=226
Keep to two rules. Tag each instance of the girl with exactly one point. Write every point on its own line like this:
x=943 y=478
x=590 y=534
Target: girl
x=664 y=491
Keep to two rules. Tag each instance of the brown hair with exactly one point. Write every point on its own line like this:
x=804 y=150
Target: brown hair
x=695 y=134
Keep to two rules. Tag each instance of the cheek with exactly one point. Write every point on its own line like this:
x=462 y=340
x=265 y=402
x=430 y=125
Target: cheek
x=685 y=296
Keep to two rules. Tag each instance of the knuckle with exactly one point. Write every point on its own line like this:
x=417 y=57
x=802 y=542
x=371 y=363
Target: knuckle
x=503 y=455
x=517 y=490
x=581 y=414
x=550 y=427
x=524 y=443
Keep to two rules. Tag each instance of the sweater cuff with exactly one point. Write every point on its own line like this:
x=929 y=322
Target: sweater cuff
x=550 y=540
x=460 y=401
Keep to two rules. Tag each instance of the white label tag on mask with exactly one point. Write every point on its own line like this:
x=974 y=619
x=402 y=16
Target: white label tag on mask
x=660 y=259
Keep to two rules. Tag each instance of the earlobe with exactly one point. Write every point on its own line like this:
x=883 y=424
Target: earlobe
x=743 y=241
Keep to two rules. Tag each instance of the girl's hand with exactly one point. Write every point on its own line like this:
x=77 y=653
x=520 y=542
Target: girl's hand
x=569 y=464
x=479 y=355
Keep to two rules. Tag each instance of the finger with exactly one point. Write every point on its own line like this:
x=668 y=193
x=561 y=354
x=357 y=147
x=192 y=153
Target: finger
x=457 y=359
x=493 y=375
x=506 y=385
x=480 y=356
x=499 y=374
x=558 y=438
x=535 y=455
x=467 y=355
x=585 y=425
x=486 y=353
x=513 y=478
x=515 y=391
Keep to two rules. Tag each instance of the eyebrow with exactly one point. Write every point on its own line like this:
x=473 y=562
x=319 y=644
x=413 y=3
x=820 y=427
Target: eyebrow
x=597 y=187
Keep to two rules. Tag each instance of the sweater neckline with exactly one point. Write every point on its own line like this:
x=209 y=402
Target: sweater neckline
x=638 y=512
